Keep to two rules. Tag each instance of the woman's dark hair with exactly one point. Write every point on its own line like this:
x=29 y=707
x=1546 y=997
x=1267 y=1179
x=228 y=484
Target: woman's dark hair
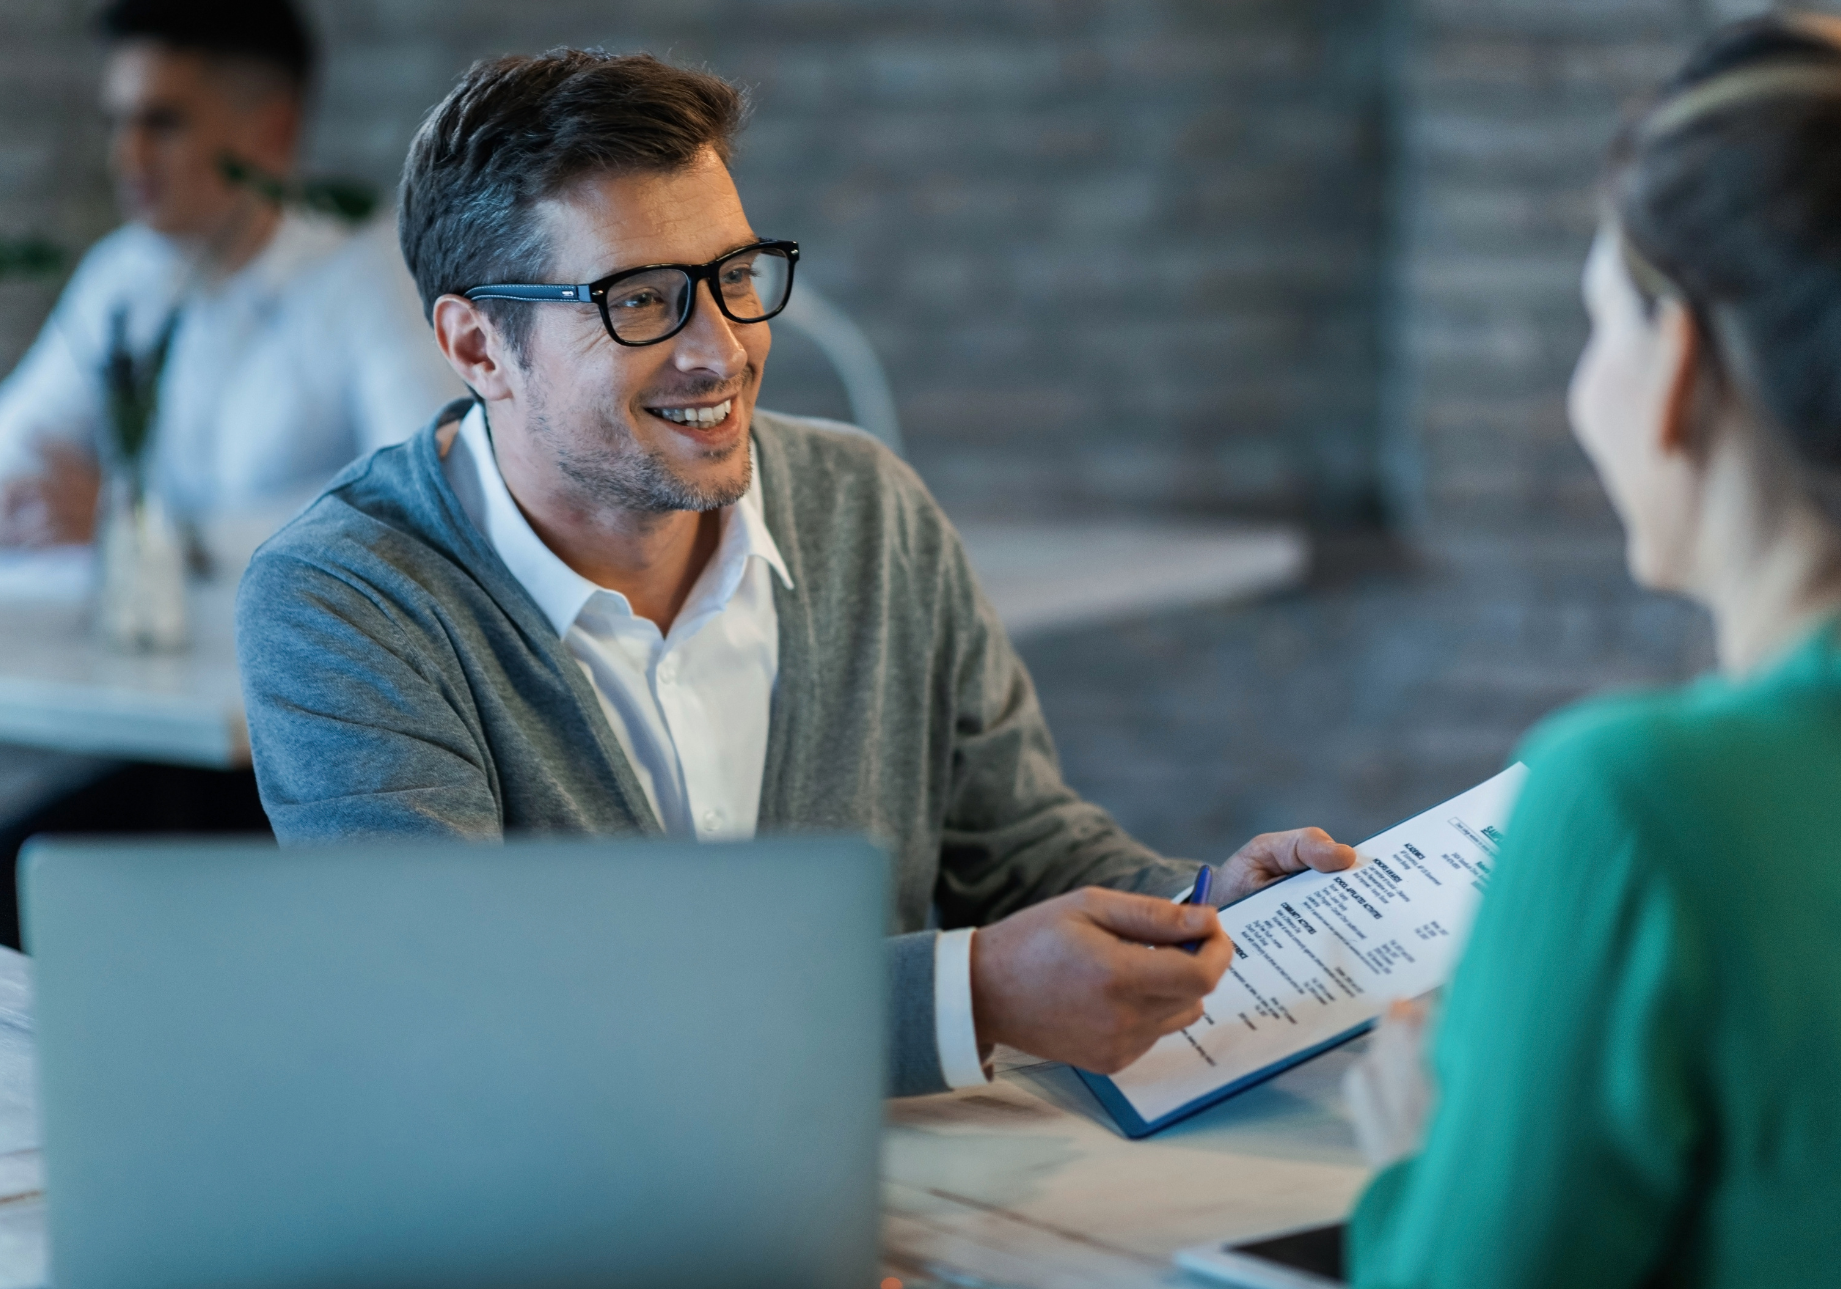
x=518 y=130
x=1727 y=192
x=264 y=31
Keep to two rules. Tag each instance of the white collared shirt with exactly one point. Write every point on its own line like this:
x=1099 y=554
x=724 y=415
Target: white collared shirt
x=690 y=707
x=312 y=354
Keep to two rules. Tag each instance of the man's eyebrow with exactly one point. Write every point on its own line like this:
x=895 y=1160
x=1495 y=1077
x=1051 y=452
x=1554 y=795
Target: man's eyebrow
x=739 y=246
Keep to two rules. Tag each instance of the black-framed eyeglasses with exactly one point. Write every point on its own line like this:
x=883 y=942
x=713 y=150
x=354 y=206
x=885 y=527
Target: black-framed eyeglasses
x=645 y=305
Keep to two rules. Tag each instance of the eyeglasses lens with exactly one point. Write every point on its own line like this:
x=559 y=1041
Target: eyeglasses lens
x=647 y=307
x=755 y=284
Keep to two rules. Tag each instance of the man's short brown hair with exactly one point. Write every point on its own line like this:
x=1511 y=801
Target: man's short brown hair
x=518 y=130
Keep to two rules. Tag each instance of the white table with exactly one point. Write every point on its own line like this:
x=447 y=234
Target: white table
x=1022 y=1185
x=22 y=1199
x=62 y=688
x=1045 y=577
x=1027 y=1184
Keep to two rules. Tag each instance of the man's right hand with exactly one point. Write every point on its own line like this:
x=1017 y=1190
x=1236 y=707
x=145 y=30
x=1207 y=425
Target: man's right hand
x=54 y=507
x=1074 y=979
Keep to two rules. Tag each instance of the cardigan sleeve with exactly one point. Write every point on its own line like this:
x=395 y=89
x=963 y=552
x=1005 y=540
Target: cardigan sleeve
x=349 y=735
x=1014 y=832
x=1570 y=1113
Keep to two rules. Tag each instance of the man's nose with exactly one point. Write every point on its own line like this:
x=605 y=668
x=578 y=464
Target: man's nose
x=710 y=341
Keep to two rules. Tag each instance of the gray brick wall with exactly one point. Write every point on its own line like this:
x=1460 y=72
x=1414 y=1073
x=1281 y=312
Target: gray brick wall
x=1399 y=678
x=1506 y=107
x=51 y=177
x=1115 y=253
x=1153 y=255
x=1227 y=257
x=1507 y=110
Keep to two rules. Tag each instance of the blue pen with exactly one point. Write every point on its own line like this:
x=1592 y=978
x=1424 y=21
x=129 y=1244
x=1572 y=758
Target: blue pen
x=1198 y=894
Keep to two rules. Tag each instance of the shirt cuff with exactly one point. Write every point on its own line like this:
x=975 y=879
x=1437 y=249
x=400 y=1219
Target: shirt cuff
x=954 y=1030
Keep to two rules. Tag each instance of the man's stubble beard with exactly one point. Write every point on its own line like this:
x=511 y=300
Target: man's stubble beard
x=617 y=470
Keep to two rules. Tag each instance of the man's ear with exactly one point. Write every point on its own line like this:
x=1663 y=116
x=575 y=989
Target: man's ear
x=473 y=347
x=1679 y=428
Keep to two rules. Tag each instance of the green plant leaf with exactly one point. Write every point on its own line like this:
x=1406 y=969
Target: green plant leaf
x=351 y=200
x=132 y=387
x=31 y=257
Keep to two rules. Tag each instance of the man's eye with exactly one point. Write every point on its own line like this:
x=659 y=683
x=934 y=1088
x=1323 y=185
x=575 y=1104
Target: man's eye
x=738 y=274
x=154 y=121
x=638 y=300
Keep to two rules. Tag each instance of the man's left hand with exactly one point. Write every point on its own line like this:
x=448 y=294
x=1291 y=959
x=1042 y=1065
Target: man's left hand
x=55 y=506
x=1273 y=855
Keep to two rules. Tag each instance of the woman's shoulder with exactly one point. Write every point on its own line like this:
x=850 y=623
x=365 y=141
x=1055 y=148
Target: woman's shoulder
x=1687 y=768
x=1633 y=731
x=1710 y=720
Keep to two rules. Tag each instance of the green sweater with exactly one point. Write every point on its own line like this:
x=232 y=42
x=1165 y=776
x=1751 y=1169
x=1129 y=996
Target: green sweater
x=1639 y=1065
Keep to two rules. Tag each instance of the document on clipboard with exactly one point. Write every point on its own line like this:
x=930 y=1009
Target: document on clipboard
x=1319 y=956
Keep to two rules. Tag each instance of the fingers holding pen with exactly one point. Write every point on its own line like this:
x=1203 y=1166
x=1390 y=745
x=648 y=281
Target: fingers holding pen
x=1095 y=977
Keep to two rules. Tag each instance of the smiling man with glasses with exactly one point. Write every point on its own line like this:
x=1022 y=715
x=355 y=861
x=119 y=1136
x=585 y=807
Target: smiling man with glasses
x=610 y=596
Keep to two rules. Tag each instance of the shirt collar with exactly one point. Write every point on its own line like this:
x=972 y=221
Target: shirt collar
x=561 y=592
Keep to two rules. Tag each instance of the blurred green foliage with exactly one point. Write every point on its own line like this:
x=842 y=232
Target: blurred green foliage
x=31 y=257
x=348 y=199
x=133 y=386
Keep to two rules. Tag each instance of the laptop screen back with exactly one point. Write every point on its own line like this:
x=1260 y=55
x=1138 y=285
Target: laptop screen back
x=542 y=1064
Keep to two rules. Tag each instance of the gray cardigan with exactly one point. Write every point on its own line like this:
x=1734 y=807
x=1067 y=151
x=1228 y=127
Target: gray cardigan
x=399 y=681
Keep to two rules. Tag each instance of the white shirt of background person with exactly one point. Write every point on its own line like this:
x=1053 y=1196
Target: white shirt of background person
x=313 y=353
x=690 y=708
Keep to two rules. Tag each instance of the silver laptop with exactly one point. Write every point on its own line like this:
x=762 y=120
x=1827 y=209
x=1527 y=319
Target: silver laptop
x=544 y=1064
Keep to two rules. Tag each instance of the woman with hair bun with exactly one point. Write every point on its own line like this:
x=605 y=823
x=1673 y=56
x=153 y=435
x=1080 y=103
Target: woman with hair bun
x=1637 y=1077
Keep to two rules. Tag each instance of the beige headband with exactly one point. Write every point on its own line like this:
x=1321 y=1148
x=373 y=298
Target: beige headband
x=1741 y=86
x=1648 y=279
x=1744 y=85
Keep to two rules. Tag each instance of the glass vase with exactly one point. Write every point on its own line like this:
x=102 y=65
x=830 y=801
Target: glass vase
x=140 y=598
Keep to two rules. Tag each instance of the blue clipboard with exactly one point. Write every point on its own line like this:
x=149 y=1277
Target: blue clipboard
x=1134 y=1125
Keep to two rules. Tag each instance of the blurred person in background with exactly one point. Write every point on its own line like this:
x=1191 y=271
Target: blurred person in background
x=294 y=341
x=1636 y=1067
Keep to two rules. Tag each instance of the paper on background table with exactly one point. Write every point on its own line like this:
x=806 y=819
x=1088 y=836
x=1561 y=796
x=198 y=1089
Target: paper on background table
x=62 y=689
x=60 y=575
x=1319 y=956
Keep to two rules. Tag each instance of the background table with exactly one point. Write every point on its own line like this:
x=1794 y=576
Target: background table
x=1023 y=1184
x=62 y=689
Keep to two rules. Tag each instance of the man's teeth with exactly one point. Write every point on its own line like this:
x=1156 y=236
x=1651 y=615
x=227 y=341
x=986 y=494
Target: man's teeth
x=696 y=415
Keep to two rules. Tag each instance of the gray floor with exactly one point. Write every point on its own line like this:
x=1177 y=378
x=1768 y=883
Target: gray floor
x=1381 y=688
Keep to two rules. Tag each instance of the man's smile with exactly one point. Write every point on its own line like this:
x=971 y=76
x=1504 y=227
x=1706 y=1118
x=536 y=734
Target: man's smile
x=703 y=416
